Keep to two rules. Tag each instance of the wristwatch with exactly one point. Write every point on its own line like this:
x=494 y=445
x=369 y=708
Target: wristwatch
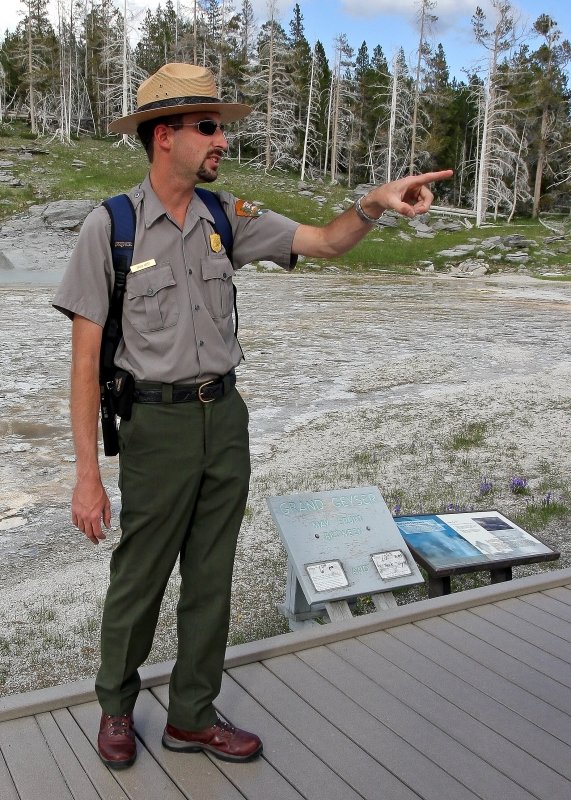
x=363 y=216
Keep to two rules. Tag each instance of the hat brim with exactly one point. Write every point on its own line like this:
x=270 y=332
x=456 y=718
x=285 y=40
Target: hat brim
x=229 y=112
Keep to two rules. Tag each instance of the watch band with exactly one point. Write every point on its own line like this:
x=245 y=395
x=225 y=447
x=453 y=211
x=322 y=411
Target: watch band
x=363 y=216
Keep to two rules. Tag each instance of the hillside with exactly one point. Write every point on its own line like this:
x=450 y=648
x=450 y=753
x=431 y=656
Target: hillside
x=36 y=171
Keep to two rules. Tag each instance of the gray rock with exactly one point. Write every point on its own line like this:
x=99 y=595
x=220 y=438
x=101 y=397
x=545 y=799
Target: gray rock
x=388 y=221
x=363 y=188
x=404 y=236
x=451 y=253
x=517 y=257
x=425 y=234
x=445 y=225
x=67 y=214
x=519 y=241
x=419 y=225
x=471 y=268
x=305 y=193
x=5 y=262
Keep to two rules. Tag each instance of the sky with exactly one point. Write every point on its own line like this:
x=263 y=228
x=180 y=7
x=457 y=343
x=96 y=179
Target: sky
x=390 y=23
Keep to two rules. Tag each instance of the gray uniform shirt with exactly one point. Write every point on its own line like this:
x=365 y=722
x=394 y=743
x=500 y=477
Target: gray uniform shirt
x=177 y=312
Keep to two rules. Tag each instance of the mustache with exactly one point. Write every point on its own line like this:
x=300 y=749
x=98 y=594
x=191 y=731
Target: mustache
x=217 y=151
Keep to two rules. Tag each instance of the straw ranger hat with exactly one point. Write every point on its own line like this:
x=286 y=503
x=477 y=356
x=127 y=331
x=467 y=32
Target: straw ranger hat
x=178 y=89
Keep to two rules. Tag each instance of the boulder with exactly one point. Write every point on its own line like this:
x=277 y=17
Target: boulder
x=470 y=268
x=67 y=214
x=5 y=262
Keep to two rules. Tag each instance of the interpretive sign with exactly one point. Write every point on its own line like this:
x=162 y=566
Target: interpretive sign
x=468 y=542
x=341 y=544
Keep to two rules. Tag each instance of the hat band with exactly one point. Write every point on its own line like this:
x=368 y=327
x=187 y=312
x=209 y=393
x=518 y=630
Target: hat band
x=177 y=101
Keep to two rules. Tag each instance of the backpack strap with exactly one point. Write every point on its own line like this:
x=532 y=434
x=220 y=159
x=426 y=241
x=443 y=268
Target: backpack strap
x=224 y=230
x=123 y=223
x=221 y=221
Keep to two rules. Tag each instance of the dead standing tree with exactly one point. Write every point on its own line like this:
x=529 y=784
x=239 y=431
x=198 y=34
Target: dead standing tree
x=425 y=21
x=496 y=41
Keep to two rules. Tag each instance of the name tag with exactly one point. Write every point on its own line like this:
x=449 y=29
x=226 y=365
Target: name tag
x=143 y=265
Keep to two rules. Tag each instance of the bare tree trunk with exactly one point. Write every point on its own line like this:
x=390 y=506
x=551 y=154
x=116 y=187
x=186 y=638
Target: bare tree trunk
x=336 y=97
x=125 y=106
x=328 y=137
x=417 y=87
x=271 y=9
x=482 y=189
x=221 y=48
x=541 y=155
x=195 y=33
x=392 y=122
x=33 y=120
x=309 y=107
x=516 y=175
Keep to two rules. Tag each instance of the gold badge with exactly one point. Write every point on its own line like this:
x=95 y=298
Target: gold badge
x=215 y=243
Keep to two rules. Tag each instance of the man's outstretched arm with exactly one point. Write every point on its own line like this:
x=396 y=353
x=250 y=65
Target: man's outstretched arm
x=408 y=196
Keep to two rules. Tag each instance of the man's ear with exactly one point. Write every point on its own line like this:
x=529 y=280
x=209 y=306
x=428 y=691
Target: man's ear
x=163 y=136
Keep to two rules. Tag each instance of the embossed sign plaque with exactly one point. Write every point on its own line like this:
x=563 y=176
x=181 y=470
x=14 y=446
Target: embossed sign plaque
x=343 y=543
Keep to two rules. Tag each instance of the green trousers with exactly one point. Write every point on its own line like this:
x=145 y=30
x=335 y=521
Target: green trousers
x=184 y=474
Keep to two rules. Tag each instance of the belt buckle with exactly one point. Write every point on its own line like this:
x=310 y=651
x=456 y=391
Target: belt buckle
x=200 y=388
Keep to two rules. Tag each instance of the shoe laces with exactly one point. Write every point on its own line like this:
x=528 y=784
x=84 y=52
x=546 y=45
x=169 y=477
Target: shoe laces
x=118 y=725
x=226 y=726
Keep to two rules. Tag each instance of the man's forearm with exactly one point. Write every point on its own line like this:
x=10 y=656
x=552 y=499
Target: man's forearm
x=84 y=405
x=408 y=196
x=84 y=399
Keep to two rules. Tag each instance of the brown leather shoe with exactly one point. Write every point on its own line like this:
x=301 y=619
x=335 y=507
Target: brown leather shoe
x=222 y=740
x=116 y=741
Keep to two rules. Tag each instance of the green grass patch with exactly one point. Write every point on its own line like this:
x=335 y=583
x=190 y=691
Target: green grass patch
x=471 y=434
x=537 y=516
x=109 y=167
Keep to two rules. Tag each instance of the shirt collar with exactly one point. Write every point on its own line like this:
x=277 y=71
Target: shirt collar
x=154 y=209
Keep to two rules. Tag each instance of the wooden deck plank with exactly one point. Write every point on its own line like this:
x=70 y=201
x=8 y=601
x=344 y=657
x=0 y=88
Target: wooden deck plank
x=443 y=748
x=525 y=691
x=539 y=617
x=72 y=770
x=550 y=605
x=529 y=632
x=194 y=773
x=32 y=766
x=492 y=731
x=410 y=765
x=561 y=593
x=100 y=776
x=328 y=752
x=6 y=783
x=145 y=779
x=256 y=780
x=513 y=645
x=289 y=755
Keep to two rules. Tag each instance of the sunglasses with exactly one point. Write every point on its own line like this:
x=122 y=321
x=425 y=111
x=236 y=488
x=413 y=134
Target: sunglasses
x=207 y=127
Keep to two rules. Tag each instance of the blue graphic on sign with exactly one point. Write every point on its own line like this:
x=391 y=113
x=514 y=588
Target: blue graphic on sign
x=436 y=541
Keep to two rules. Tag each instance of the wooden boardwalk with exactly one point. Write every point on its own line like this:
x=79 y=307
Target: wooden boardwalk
x=456 y=698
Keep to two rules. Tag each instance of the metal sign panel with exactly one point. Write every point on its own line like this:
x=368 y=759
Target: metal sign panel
x=343 y=543
x=470 y=541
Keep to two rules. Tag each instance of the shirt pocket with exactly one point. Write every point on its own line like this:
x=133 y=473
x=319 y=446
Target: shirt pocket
x=152 y=299
x=217 y=275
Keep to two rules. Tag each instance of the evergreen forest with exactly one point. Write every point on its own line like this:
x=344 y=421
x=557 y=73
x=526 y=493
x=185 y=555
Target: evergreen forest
x=358 y=117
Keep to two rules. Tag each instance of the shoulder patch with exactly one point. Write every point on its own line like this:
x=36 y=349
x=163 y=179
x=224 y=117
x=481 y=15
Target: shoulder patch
x=244 y=208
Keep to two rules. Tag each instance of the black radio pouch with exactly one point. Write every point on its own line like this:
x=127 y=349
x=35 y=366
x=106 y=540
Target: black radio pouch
x=123 y=390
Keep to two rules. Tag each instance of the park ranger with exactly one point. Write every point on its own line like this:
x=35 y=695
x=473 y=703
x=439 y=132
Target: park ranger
x=184 y=455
